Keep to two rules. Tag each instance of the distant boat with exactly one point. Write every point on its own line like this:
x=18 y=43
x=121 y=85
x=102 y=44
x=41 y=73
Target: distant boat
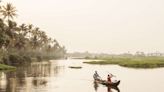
x=75 y=67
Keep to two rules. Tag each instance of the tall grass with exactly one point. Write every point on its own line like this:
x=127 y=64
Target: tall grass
x=136 y=62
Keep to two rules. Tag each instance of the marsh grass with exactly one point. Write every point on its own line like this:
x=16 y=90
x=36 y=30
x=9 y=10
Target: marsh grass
x=6 y=67
x=136 y=62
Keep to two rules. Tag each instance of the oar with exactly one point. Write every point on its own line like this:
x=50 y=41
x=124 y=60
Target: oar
x=100 y=78
x=111 y=74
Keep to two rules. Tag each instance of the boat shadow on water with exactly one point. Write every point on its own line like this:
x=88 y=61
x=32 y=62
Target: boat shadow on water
x=109 y=88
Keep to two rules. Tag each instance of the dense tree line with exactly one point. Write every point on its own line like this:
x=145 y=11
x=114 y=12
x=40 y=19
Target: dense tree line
x=24 y=39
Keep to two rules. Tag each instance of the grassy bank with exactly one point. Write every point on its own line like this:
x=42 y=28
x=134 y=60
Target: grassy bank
x=135 y=62
x=6 y=67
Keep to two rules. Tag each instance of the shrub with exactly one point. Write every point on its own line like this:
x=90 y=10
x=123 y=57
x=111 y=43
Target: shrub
x=15 y=59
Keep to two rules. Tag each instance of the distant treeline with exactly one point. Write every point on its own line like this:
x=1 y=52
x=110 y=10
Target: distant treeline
x=89 y=55
x=24 y=42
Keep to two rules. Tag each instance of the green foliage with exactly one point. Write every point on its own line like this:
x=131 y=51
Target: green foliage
x=16 y=59
x=6 y=67
x=24 y=43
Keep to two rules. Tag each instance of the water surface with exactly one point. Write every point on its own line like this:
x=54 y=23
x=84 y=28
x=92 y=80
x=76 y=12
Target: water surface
x=56 y=76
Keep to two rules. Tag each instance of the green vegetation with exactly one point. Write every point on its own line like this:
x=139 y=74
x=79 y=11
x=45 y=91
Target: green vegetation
x=6 y=67
x=135 y=62
x=20 y=44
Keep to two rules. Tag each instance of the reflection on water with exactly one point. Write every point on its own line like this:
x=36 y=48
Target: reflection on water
x=109 y=89
x=96 y=85
x=56 y=76
x=36 y=74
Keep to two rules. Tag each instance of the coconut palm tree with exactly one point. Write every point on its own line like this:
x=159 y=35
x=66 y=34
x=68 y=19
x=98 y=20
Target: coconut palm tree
x=21 y=36
x=8 y=11
x=30 y=27
x=34 y=38
x=2 y=33
x=23 y=29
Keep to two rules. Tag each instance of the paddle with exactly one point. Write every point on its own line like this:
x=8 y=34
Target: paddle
x=111 y=74
x=100 y=78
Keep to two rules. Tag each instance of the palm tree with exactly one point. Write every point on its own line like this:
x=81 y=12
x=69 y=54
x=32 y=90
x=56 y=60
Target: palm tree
x=34 y=38
x=8 y=11
x=2 y=33
x=30 y=27
x=21 y=37
x=23 y=29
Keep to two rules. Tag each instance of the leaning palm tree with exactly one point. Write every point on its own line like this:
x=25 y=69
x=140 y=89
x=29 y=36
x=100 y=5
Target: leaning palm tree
x=8 y=11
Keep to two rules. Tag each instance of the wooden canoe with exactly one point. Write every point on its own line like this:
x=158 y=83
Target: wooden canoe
x=106 y=83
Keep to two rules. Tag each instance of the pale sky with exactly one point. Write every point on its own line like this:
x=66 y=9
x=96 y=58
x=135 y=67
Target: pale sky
x=110 y=26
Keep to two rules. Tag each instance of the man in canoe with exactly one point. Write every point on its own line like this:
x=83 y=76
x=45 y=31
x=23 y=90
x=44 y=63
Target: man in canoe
x=96 y=76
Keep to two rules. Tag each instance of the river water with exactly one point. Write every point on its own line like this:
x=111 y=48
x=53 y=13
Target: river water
x=56 y=76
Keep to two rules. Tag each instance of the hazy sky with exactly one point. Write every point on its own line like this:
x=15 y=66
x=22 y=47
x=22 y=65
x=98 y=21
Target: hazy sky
x=111 y=26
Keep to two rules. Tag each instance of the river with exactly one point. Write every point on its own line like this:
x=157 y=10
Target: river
x=56 y=76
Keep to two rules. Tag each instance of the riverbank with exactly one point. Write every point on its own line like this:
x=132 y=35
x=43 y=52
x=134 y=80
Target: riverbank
x=134 y=62
x=6 y=67
x=24 y=43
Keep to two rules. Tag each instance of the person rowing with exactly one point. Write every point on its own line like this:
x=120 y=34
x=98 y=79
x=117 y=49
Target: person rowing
x=109 y=78
x=96 y=76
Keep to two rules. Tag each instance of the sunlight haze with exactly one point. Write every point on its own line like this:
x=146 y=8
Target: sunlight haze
x=109 y=26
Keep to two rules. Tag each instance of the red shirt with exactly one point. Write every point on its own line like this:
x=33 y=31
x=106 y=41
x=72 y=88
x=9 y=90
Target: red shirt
x=109 y=79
